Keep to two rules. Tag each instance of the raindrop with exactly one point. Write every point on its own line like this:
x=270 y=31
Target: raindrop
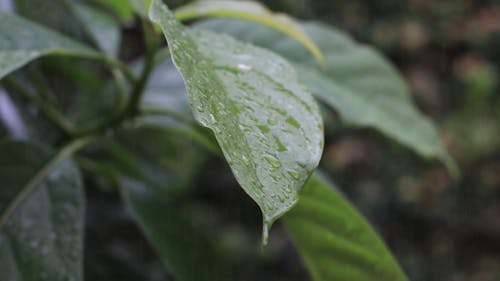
x=282 y=197
x=272 y=121
x=273 y=161
x=245 y=160
x=265 y=232
x=292 y=121
x=270 y=206
x=200 y=108
x=294 y=174
x=244 y=67
x=281 y=146
x=212 y=118
x=264 y=129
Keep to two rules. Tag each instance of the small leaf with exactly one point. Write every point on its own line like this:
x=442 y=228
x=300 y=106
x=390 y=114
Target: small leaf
x=335 y=241
x=267 y=124
x=252 y=11
x=105 y=30
x=41 y=214
x=357 y=82
x=22 y=41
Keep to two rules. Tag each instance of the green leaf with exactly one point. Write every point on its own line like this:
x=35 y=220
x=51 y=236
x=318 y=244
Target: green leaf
x=41 y=214
x=357 y=81
x=54 y=14
x=334 y=240
x=165 y=90
x=156 y=169
x=182 y=246
x=105 y=30
x=171 y=111
x=121 y=8
x=140 y=7
x=252 y=11
x=267 y=124
x=22 y=41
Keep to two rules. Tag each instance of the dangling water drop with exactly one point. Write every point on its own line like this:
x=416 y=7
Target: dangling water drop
x=265 y=232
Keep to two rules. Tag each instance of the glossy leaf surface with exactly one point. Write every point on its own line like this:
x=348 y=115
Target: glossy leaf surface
x=22 y=41
x=266 y=123
x=357 y=82
x=334 y=240
x=252 y=11
x=41 y=215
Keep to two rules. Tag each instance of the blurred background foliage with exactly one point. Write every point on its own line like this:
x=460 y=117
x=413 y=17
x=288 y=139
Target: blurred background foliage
x=438 y=228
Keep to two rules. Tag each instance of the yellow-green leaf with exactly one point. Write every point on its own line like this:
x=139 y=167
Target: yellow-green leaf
x=251 y=11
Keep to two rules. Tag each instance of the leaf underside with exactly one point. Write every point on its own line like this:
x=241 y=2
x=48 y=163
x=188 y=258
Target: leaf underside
x=41 y=236
x=22 y=41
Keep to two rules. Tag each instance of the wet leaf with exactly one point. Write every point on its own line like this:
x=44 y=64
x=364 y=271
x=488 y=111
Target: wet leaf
x=22 y=41
x=252 y=11
x=266 y=123
x=41 y=214
x=334 y=240
x=357 y=82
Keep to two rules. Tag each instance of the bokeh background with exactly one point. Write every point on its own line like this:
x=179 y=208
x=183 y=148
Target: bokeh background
x=439 y=228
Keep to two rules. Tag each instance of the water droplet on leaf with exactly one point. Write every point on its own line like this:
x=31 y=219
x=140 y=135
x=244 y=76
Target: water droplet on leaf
x=244 y=67
x=273 y=161
x=294 y=174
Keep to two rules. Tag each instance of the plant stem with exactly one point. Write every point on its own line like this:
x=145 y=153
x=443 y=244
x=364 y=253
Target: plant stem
x=45 y=107
x=131 y=109
x=40 y=83
x=122 y=67
x=42 y=174
x=152 y=45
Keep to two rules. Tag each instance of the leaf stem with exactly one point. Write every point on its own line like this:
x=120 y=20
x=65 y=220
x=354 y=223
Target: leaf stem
x=42 y=174
x=122 y=67
x=45 y=107
x=152 y=46
x=131 y=109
